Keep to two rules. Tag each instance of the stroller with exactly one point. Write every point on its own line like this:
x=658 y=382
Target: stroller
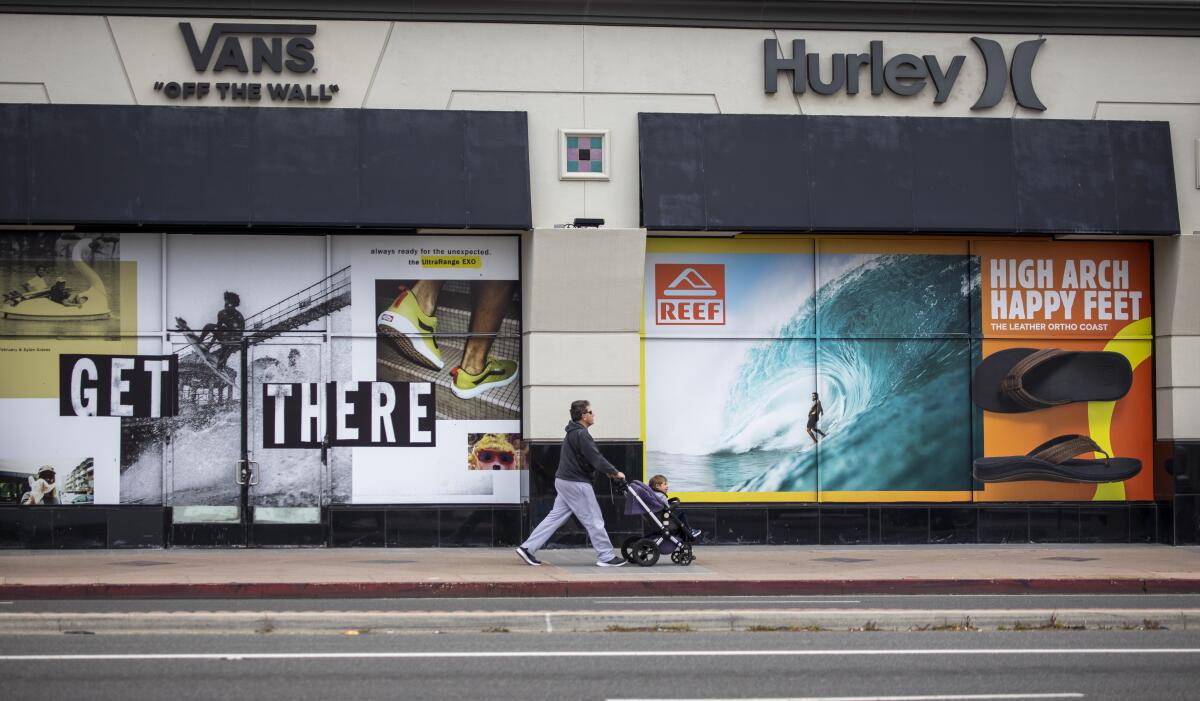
x=669 y=536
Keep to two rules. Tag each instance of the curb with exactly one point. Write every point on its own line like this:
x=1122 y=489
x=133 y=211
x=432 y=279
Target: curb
x=377 y=590
x=628 y=620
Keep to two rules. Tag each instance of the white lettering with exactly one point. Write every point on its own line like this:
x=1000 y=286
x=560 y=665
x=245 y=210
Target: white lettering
x=417 y=411
x=83 y=401
x=312 y=400
x=383 y=402
x=120 y=386
x=278 y=392
x=343 y=410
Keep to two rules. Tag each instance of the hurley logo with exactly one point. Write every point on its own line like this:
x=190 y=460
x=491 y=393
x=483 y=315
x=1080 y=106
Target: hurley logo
x=905 y=74
x=689 y=294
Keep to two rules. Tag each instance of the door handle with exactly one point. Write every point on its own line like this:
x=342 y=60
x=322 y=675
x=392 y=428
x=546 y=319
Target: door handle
x=246 y=472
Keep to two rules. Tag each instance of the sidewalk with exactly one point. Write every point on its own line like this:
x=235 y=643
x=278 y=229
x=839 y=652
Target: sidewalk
x=725 y=570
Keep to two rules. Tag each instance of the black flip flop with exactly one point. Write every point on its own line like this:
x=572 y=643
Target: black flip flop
x=1055 y=461
x=1027 y=379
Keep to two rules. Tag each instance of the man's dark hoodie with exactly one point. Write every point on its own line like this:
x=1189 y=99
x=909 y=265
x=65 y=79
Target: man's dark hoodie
x=580 y=457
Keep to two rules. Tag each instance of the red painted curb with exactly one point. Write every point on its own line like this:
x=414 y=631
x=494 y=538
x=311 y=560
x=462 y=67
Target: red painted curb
x=372 y=590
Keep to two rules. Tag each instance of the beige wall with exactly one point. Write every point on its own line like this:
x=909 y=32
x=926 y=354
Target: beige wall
x=569 y=76
x=582 y=314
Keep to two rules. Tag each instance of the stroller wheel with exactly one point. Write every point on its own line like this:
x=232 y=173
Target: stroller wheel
x=627 y=547
x=644 y=552
x=683 y=555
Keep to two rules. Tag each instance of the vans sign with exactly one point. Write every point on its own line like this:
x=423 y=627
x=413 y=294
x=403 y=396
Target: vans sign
x=905 y=74
x=285 y=49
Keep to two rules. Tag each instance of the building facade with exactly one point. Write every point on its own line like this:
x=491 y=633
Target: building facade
x=333 y=277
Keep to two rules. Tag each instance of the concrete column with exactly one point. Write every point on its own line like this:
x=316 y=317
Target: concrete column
x=582 y=310
x=1177 y=337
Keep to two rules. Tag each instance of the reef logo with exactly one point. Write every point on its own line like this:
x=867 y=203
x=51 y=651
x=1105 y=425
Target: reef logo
x=689 y=294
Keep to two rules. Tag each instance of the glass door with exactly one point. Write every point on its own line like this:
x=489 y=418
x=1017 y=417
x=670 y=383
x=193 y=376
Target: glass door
x=287 y=483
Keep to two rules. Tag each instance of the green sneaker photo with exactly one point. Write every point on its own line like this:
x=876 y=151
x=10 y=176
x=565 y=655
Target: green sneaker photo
x=498 y=373
x=411 y=330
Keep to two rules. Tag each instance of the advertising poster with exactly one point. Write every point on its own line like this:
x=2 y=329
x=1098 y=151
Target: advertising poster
x=846 y=370
x=729 y=362
x=440 y=316
x=64 y=293
x=1089 y=304
x=150 y=356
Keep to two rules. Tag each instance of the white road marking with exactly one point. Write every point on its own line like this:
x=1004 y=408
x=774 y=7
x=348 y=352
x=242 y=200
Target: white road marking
x=592 y=653
x=1025 y=614
x=716 y=602
x=936 y=697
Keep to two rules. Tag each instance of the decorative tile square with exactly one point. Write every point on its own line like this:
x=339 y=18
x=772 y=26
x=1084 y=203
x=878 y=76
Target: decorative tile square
x=584 y=154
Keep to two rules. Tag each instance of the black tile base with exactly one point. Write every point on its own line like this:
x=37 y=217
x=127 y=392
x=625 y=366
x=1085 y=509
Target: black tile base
x=794 y=526
x=953 y=524
x=26 y=527
x=465 y=527
x=845 y=525
x=1149 y=523
x=80 y=527
x=1003 y=524
x=903 y=525
x=1054 y=524
x=137 y=527
x=506 y=526
x=412 y=528
x=208 y=535
x=1187 y=519
x=289 y=535
x=1104 y=524
x=1176 y=521
x=354 y=528
x=740 y=526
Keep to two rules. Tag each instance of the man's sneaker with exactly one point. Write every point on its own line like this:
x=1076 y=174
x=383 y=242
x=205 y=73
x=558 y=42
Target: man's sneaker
x=616 y=561
x=695 y=533
x=528 y=557
x=497 y=373
x=411 y=330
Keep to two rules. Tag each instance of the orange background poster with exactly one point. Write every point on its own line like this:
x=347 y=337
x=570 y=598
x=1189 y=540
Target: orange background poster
x=1086 y=296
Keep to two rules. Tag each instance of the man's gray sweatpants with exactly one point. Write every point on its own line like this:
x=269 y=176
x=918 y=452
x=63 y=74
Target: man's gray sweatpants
x=579 y=499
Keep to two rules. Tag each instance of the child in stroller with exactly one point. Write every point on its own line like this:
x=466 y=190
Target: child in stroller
x=669 y=535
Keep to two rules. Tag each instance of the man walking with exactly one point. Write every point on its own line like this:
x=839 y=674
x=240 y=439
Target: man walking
x=573 y=482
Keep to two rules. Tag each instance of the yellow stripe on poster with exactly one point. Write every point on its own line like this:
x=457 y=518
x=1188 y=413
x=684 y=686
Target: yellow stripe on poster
x=894 y=496
x=743 y=497
x=1100 y=413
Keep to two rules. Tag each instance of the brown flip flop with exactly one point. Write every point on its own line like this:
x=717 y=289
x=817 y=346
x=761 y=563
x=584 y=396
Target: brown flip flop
x=1056 y=461
x=1027 y=379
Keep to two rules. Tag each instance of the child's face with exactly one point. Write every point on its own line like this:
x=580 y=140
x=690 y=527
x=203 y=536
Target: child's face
x=662 y=487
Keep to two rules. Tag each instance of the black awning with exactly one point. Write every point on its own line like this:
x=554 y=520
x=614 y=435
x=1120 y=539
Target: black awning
x=899 y=174
x=191 y=166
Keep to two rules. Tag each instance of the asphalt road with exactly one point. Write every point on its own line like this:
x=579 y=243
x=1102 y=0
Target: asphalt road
x=926 y=602
x=938 y=666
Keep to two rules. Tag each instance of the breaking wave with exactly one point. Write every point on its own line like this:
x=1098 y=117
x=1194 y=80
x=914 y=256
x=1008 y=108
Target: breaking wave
x=893 y=370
